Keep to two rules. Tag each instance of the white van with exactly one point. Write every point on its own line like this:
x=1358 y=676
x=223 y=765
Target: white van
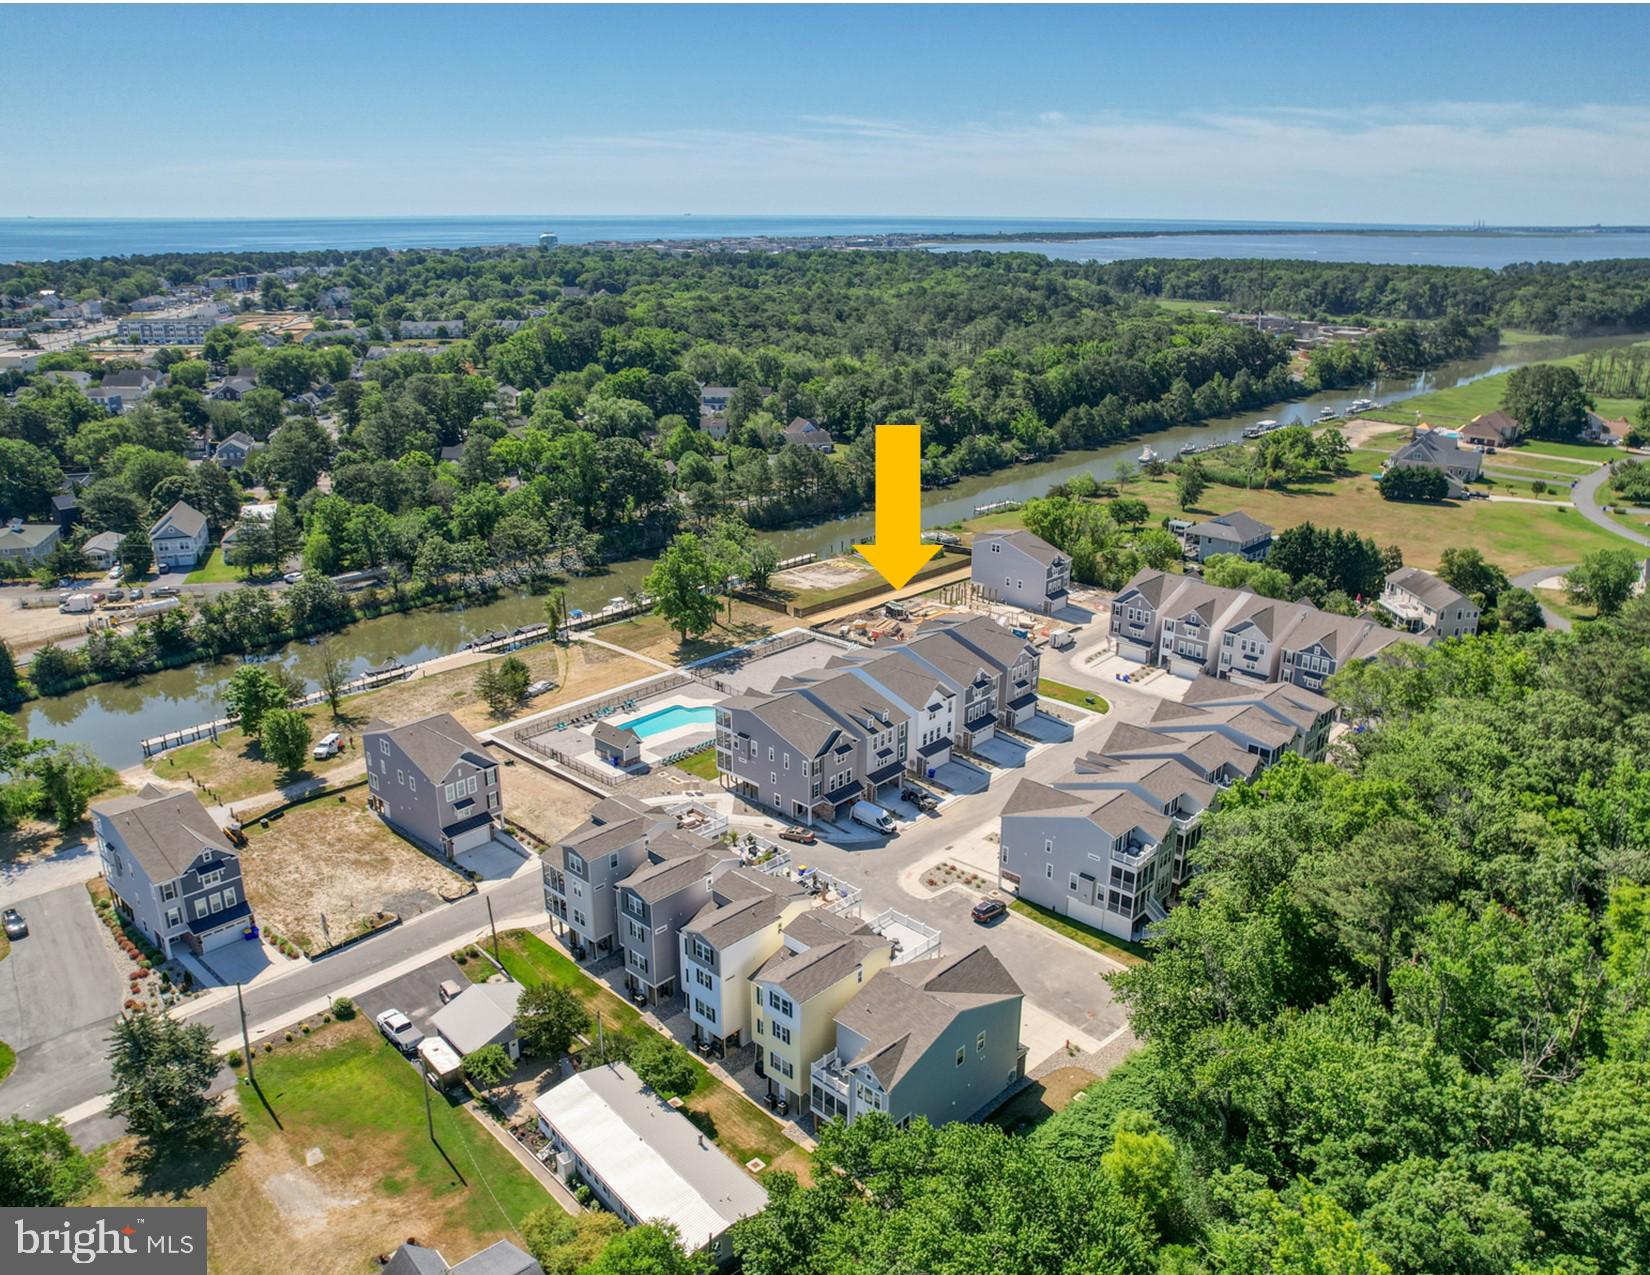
x=872 y=816
x=328 y=747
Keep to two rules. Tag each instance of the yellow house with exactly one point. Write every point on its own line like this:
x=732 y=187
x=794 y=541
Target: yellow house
x=797 y=992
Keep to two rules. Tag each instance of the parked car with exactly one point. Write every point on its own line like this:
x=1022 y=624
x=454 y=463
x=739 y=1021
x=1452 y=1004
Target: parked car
x=135 y=594
x=802 y=836
x=539 y=688
x=163 y=569
x=988 y=910
x=292 y=577
x=165 y=591
x=116 y=595
x=328 y=746
x=16 y=926
x=449 y=988
x=116 y=571
x=923 y=801
x=399 y=1031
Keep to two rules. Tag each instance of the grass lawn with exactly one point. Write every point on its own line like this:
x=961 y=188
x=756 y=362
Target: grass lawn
x=233 y=766
x=216 y=571
x=8 y=1059
x=651 y=635
x=333 y=857
x=701 y=763
x=348 y=1171
x=477 y=968
x=1532 y=449
x=736 y=1124
x=1120 y=950
x=855 y=580
x=1558 y=600
x=1516 y=537
x=1091 y=700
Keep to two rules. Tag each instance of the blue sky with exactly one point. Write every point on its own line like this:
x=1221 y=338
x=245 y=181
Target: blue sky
x=1528 y=114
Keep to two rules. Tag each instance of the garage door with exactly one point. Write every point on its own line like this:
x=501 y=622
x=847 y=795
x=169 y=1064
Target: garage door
x=1184 y=668
x=473 y=838
x=223 y=938
x=1133 y=652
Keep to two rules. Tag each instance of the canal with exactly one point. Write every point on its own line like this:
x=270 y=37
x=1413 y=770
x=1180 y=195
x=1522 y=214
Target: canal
x=113 y=717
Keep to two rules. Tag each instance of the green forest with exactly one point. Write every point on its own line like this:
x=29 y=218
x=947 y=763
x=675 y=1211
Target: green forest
x=1402 y=1026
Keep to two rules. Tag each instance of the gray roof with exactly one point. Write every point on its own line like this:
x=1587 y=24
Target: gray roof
x=656 y=881
x=1238 y=528
x=1031 y=797
x=185 y=518
x=29 y=536
x=982 y=635
x=1434 y=592
x=1429 y=447
x=503 y=1258
x=103 y=542
x=164 y=831
x=905 y=1008
x=241 y=439
x=831 y=953
x=434 y=744
x=415 y=1259
x=477 y=1015
x=743 y=901
x=615 y=736
x=1033 y=546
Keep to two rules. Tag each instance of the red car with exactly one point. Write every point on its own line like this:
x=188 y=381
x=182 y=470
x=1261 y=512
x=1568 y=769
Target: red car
x=988 y=910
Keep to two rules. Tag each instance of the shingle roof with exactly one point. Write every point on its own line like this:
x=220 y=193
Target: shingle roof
x=804 y=975
x=1033 y=546
x=903 y=1009
x=743 y=901
x=502 y=1258
x=1031 y=797
x=1424 y=585
x=435 y=744
x=1237 y=527
x=164 y=831
x=477 y=1015
x=185 y=518
x=621 y=737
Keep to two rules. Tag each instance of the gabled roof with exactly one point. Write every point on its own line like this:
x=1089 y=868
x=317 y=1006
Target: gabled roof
x=656 y=881
x=1028 y=544
x=835 y=946
x=743 y=901
x=1030 y=797
x=1434 y=592
x=983 y=636
x=612 y=824
x=615 y=736
x=477 y=1015
x=1238 y=528
x=434 y=744
x=165 y=832
x=184 y=519
x=904 y=1009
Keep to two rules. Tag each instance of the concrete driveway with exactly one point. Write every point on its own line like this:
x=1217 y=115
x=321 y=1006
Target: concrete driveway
x=1003 y=751
x=1049 y=729
x=74 y=863
x=59 y=992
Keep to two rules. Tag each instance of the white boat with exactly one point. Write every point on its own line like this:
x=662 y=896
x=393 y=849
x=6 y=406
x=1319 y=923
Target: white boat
x=1147 y=455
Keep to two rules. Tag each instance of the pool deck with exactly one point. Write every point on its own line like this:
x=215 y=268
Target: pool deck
x=579 y=742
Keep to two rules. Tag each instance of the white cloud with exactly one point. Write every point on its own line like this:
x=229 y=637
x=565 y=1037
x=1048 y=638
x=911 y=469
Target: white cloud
x=1439 y=162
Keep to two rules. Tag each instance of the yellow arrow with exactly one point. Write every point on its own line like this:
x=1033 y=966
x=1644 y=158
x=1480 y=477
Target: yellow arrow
x=899 y=552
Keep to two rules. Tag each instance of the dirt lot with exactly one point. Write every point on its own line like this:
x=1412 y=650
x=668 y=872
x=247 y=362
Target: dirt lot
x=832 y=573
x=544 y=805
x=651 y=636
x=335 y=858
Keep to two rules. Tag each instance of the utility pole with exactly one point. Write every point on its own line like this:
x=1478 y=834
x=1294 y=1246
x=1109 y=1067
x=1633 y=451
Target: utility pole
x=246 y=1040
x=493 y=927
x=424 y=1076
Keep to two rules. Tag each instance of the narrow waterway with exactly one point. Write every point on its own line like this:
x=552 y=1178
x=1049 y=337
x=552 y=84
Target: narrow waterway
x=113 y=717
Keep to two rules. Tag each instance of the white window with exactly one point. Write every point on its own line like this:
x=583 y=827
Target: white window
x=168 y=891
x=174 y=918
x=960 y=1052
x=979 y=1042
x=400 y=776
x=212 y=877
x=1048 y=871
x=384 y=747
x=412 y=783
x=448 y=792
x=216 y=899
x=230 y=898
x=200 y=907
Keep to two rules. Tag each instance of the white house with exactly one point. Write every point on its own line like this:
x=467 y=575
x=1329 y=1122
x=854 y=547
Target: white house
x=1019 y=569
x=1423 y=603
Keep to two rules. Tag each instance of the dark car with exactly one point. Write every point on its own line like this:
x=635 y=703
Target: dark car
x=16 y=926
x=988 y=910
x=923 y=801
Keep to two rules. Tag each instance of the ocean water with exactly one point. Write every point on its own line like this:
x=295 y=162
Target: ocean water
x=52 y=239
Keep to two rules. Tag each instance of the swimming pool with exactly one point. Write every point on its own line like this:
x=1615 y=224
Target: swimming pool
x=671 y=718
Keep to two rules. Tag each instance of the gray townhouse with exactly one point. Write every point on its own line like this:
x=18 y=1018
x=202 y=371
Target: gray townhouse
x=663 y=894
x=1108 y=845
x=1423 y=603
x=583 y=871
x=236 y=450
x=928 y=699
x=1019 y=569
x=730 y=937
x=434 y=783
x=814 y=745
x=172 y=870
x=1236 y=533
x=1191 y=627
x=938 y=1038
x=974 y=681
x=1016 y=662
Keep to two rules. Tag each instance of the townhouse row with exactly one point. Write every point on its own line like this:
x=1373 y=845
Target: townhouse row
x=819 y=741
x=1191 y=628
x=1108 y=844
x=838 y=1026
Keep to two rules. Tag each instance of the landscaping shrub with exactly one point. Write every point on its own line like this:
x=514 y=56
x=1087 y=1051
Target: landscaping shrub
x=343 y=1009
x=233 y=1058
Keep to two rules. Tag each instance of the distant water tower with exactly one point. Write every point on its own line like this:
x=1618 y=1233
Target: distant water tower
x=548 y=240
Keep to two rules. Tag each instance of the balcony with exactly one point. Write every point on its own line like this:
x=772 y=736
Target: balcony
x=829 y=1077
